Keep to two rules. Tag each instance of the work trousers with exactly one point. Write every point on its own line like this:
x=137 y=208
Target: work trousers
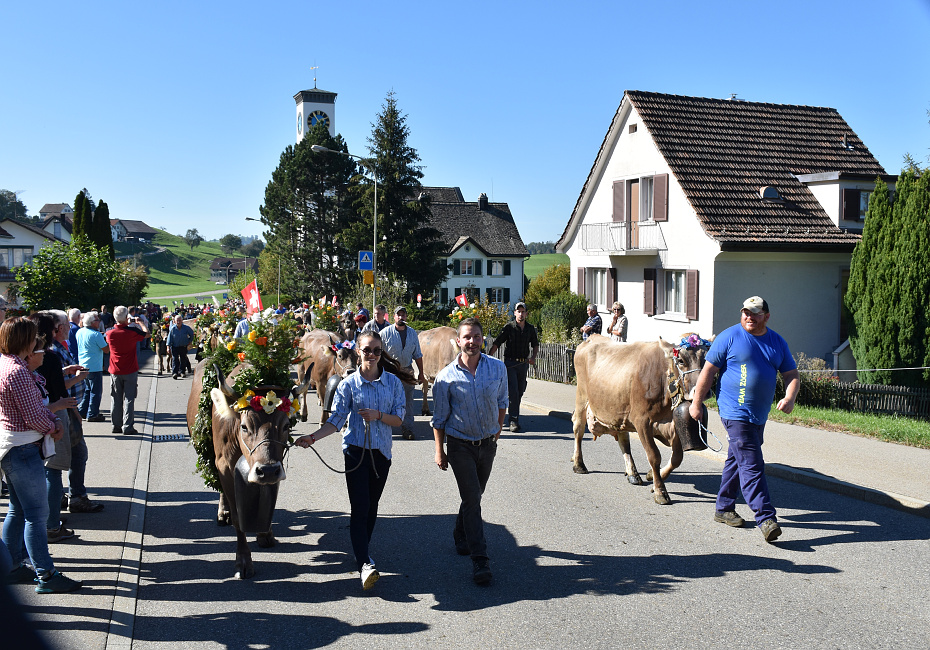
x=744 y=470
x=471 y=464
x=365 y=485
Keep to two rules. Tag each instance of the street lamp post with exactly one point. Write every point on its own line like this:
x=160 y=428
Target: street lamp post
x=316 y=148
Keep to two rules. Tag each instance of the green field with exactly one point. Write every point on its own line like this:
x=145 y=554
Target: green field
x=536 y=264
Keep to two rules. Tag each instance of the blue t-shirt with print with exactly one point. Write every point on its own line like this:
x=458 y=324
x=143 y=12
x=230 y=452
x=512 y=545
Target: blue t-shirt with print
x=748 y=366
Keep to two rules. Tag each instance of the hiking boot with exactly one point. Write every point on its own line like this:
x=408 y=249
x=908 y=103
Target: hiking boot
x=59 y=534
x=482 y=572
x=21 y=575
x=57 y=583
x=83 y=504
x=515 y=425
x=100 y=417
x=730 y=518
x=370 y=576
x=770 y=530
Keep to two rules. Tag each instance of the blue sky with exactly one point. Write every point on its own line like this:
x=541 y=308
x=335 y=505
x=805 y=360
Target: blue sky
x=175 y=113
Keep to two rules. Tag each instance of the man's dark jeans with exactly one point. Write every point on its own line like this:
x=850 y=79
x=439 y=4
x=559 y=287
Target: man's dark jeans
x=471 y=465
x=516 y=384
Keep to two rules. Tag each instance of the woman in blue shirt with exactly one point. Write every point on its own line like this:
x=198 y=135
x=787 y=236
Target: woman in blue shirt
x=372 y=401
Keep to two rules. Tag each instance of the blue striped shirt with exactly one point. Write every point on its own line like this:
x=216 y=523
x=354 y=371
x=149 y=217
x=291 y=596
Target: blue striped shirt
x=468 y=406
x=385 y=394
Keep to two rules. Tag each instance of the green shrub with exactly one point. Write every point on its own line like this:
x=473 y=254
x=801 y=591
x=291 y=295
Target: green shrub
x=561 y=316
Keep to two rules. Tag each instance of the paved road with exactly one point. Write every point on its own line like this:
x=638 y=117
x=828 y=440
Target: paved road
x=579 y=561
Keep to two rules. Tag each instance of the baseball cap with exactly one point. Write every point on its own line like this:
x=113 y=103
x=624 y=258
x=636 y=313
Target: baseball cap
x=518 y=305
x=400 y=308
x=756 y=305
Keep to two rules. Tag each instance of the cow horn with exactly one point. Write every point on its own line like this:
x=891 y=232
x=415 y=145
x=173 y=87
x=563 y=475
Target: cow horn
x=223 y=386
x=304 y=387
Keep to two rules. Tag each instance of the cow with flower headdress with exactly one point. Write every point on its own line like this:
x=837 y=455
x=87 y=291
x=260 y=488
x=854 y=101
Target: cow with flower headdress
x=241 y=424
x=646 y=387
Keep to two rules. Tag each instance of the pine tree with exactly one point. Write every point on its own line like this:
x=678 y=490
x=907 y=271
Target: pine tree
x=409 y=248
x=103 y=236
x=78 y=223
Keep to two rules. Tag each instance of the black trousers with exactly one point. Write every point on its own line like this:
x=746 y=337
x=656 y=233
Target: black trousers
x=365 y=485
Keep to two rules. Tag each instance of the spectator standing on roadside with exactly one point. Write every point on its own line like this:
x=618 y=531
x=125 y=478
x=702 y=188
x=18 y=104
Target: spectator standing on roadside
x=124 y=341
x=91 y=346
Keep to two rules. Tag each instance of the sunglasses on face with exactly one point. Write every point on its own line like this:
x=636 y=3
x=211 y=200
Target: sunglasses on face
x=376 y=352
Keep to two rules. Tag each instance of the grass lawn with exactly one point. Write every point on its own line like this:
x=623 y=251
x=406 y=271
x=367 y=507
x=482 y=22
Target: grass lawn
x=536 y=264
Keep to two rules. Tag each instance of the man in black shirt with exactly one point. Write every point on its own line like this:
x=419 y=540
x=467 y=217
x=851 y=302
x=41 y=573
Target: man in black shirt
x=519 y=336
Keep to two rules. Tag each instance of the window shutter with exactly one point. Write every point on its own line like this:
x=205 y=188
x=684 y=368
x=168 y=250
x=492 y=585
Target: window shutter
x=691 y=296
x=580 y=286
x=851 y=205
x=619 y=201
x=456 y=268
x=660 y=197
x=506 y=267
x=649 y=292
x=506 y=294
x=611 y=287
x=477 y=267
x=443 y=295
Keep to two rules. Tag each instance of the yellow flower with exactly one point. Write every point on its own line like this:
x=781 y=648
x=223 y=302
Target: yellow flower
x=252 y=335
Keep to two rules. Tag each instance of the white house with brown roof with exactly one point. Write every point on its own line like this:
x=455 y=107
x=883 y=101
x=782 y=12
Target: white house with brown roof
x=19 y=242
x=694 y=204
x=483 y=247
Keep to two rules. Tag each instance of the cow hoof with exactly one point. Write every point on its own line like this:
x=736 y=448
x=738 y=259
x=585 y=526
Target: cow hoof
x=580 y=469
x=661 y=497
x=266 y=540
x=634 y=479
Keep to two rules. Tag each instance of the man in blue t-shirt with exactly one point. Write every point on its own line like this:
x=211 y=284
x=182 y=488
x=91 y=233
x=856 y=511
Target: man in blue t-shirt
x=749 y=356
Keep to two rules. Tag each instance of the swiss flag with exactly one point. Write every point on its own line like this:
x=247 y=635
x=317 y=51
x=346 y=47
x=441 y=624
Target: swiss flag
x=253 y=301
x=462 y=300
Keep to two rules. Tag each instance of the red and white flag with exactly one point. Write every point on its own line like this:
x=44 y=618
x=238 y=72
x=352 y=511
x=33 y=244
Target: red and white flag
x=462 y=300
x=253 y=301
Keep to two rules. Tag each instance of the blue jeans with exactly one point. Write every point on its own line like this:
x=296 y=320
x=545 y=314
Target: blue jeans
x=93 y=391
x=123 y=388
x=471 y=466
x=365 y=485
x=78 y=465
x=744 y=470
x=516 y=384
x=24 y=530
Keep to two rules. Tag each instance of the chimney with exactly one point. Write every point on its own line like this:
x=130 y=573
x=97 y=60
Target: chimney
x=483 y=201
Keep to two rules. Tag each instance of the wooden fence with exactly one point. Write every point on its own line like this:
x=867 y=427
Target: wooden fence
x=555 y=362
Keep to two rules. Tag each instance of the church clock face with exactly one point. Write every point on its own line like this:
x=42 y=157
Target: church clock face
x=300 y=122
x=317 y=117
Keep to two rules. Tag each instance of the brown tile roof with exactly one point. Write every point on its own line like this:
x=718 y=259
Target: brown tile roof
x=723 y=151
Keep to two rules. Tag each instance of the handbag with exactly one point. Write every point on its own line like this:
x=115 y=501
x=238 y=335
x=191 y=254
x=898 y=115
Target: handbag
x=62 y=458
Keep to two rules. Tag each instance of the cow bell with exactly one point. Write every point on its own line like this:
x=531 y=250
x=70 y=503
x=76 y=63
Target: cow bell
x=687 y=429
x=254 y=502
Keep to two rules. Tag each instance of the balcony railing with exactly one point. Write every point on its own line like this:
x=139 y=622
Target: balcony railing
x=622 y=238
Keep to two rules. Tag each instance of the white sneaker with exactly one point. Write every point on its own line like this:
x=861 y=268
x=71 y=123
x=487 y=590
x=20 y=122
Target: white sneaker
x=370 y=576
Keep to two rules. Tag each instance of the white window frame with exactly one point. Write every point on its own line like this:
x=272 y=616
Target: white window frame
x=496 y=267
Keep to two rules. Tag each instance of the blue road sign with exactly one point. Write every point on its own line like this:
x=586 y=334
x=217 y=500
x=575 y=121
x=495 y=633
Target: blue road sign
x=366 y=261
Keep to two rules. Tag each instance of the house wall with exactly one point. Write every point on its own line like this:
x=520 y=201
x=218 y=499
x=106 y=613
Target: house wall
x=634 y=155
x=803 y=291
x=485 y=281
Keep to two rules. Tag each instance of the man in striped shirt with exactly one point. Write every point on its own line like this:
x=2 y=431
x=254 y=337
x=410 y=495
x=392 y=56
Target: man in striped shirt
x=469 y=405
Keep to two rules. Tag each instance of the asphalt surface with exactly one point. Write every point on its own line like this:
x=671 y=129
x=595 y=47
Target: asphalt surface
x=582 y=561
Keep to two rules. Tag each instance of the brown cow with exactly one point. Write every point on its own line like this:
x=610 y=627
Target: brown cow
x=624 y=387
x=439 y=349
x=258 y=437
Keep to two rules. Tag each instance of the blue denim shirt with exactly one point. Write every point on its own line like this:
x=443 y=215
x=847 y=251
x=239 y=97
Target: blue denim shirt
x=467 y=406
x=385 y=394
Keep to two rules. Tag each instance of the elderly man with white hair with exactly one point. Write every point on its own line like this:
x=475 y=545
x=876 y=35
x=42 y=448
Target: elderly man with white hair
x=123 y=340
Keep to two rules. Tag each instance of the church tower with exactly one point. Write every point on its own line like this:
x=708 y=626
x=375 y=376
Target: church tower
x=315 y=106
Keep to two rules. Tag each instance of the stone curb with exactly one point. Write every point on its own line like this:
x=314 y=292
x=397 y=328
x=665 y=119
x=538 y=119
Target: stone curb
x=813 y=479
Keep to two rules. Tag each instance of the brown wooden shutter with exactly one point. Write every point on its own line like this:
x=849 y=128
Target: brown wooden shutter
x=851 y=205
x=619 y=201
x=649 y=292
x=611 y=286
x=660 y=197
x=691 y=294
x=580 y=281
